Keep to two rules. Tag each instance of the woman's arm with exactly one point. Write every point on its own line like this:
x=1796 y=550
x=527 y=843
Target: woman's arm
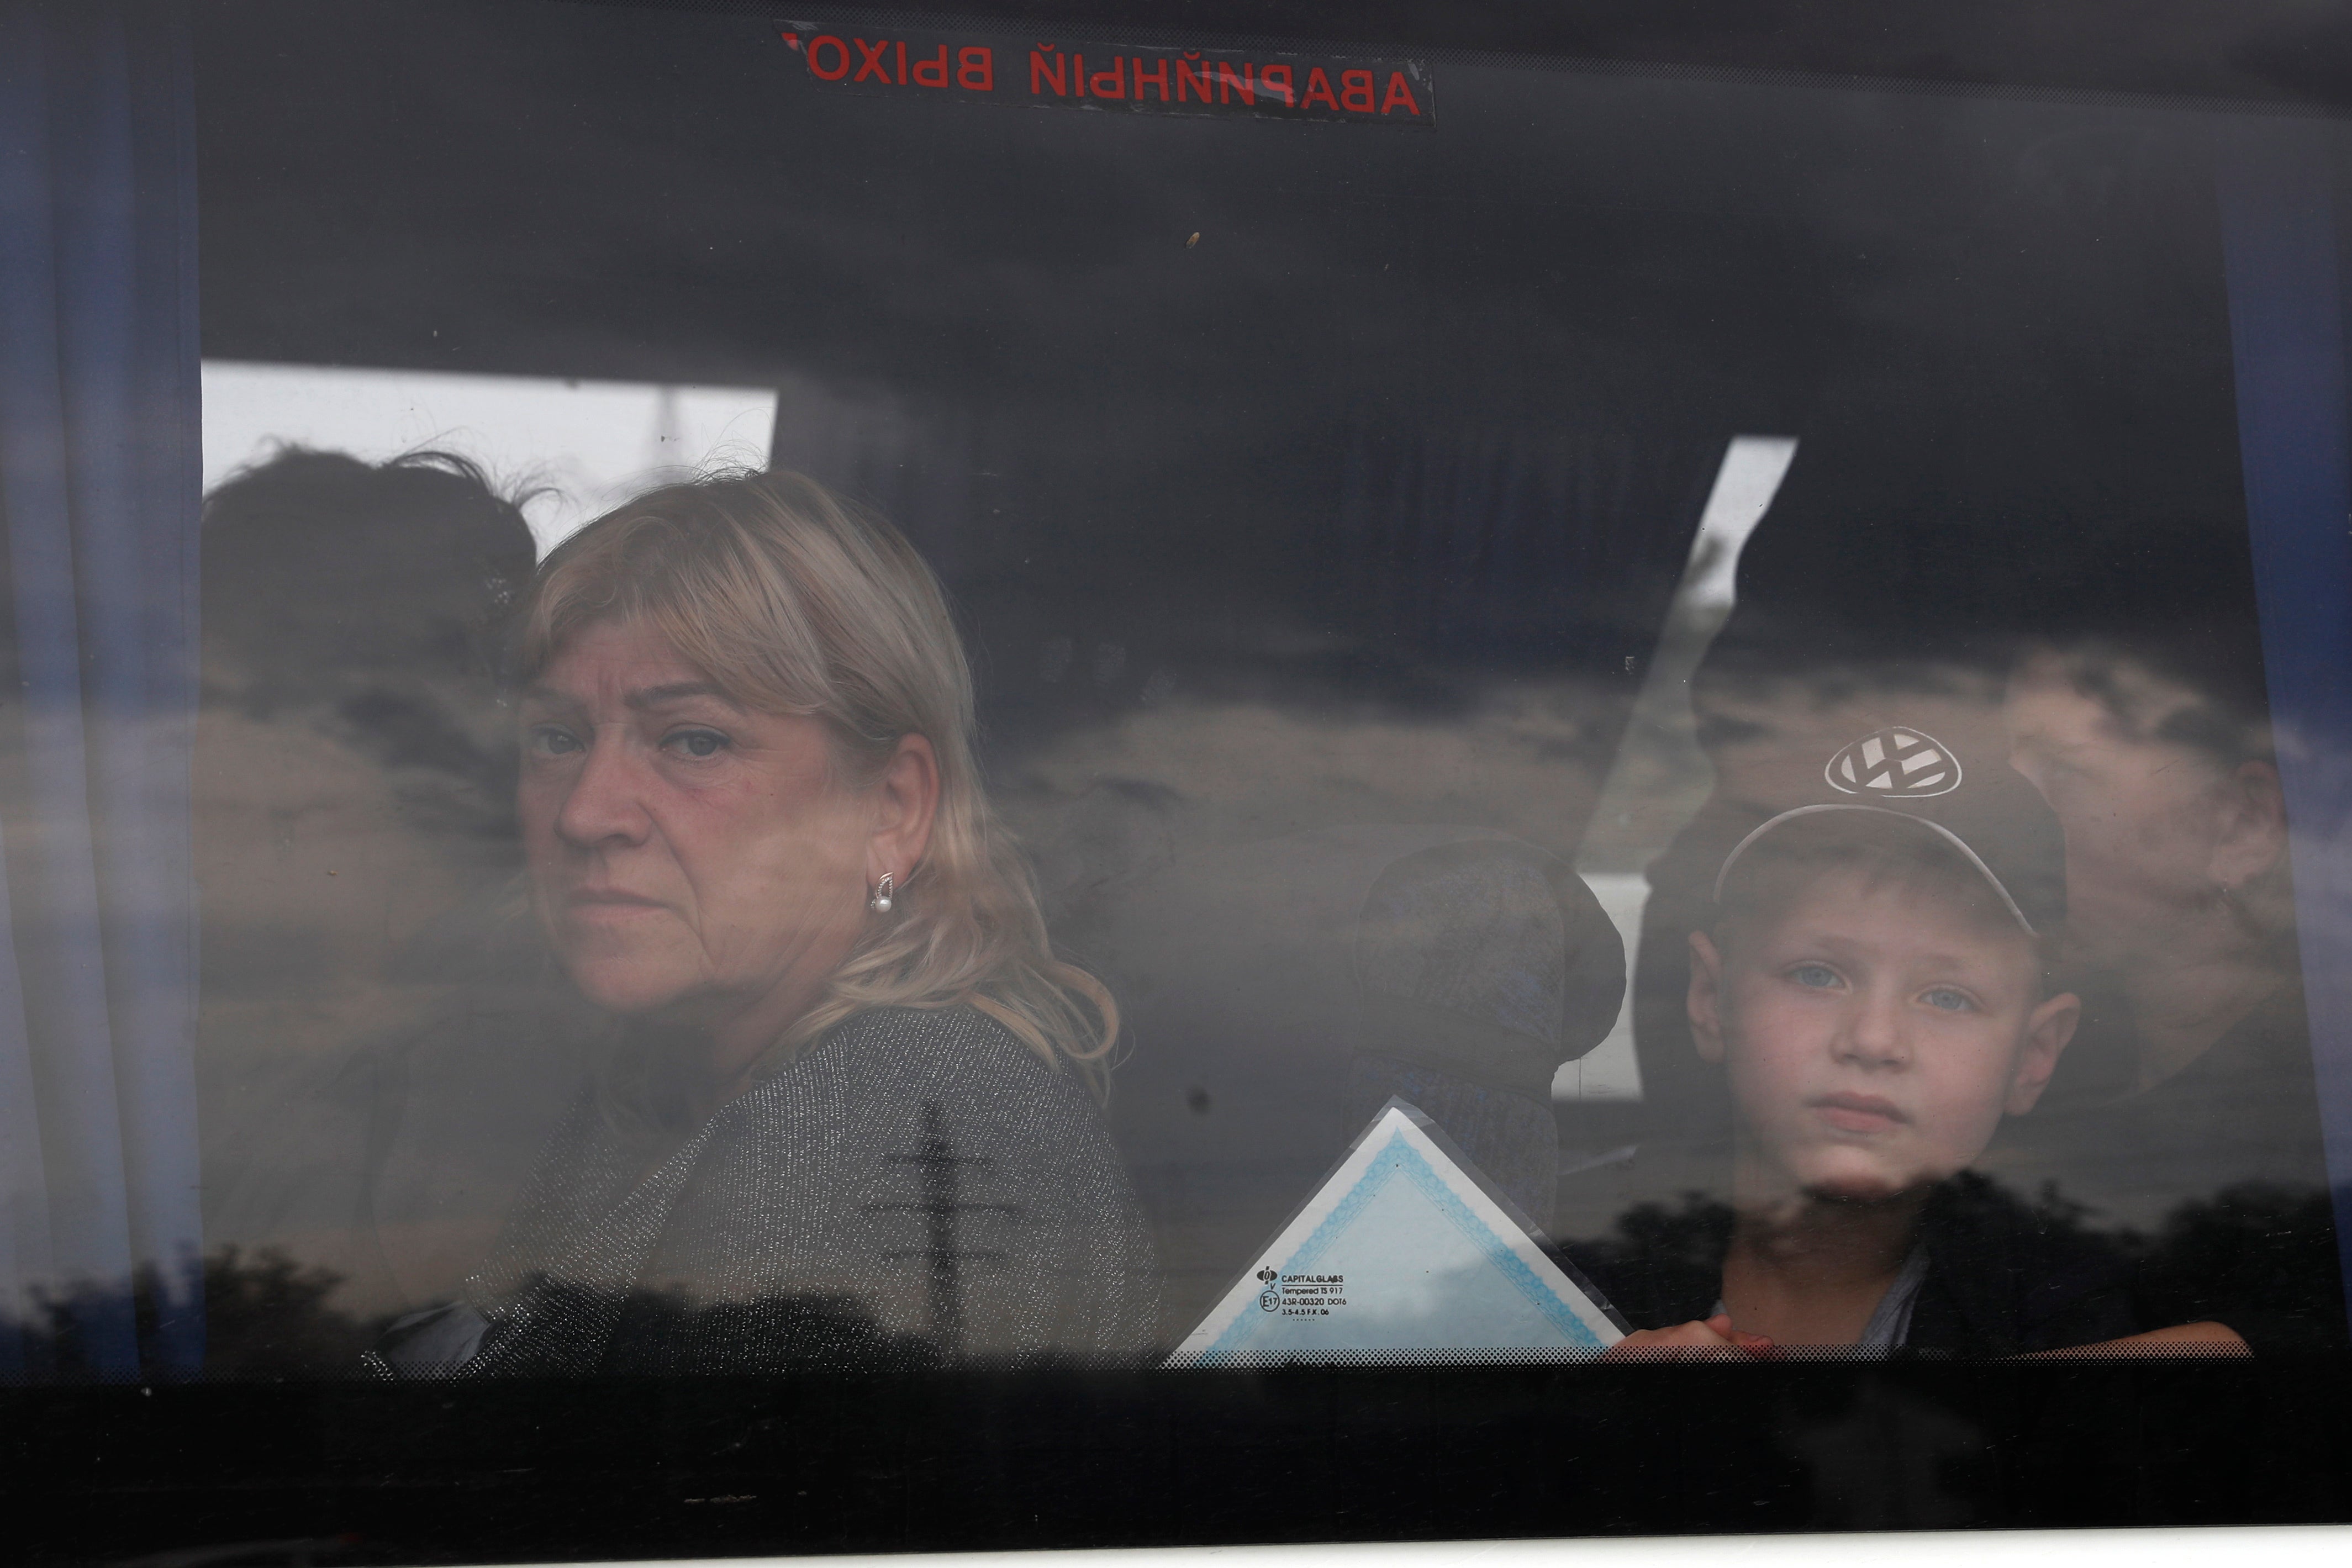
x=2183 y=1338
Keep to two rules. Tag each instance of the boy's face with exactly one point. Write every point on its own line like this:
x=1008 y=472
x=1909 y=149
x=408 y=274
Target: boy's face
x=1873 y=1035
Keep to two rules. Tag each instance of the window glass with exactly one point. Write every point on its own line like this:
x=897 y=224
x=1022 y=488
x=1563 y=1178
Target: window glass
x=912 y=699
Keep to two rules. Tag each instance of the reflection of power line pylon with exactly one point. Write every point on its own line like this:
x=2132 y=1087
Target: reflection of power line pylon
x=939 y=1205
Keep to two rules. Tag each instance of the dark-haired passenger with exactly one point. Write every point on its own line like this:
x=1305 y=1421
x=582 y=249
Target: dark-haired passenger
x=354 y=832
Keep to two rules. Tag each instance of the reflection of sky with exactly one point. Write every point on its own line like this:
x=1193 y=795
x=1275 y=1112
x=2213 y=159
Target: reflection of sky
x=583 y=445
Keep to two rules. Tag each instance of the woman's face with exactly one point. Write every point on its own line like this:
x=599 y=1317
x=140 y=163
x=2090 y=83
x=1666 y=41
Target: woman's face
x=2142 y=814
x=688 y=857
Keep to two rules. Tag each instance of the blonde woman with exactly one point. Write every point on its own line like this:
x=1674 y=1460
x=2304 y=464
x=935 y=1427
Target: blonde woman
x=848 y=1114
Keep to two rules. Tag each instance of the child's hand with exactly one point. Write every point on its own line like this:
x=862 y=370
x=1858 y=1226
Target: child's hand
x=1713 y=1339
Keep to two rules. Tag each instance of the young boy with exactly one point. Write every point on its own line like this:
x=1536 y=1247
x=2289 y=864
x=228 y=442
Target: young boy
x=1873 y=990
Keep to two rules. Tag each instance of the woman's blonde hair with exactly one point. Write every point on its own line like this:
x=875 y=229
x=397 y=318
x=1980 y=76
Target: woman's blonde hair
x=795 y=601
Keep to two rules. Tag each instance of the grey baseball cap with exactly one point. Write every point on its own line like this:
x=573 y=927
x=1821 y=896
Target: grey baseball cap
x=1983 y=809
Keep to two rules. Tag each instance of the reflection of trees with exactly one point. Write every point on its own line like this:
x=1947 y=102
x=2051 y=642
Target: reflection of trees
x=270 y=1317
x=1657 y=1256
x=2255 y=1244
x=815 y=1330
x=267 y=1317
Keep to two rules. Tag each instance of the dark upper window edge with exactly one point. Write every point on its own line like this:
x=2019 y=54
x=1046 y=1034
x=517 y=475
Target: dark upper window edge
x=2268 y=56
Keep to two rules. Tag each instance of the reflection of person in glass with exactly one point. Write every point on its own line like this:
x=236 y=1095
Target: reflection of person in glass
x=354 y=820
x=1873 y=990
x=843 y=1117
x=2150 y=741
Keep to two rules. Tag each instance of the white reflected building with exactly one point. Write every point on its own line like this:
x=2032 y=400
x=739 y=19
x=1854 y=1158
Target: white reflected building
x=573 y=447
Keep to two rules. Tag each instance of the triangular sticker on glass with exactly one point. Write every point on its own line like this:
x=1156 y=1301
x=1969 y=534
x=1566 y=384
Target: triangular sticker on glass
x=1404 y=1256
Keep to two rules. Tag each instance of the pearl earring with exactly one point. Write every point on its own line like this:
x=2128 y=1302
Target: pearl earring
x=880 y=903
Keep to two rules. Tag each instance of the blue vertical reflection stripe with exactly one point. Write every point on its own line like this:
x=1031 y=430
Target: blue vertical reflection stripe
x=99 y=510
x=58 y=924
x=2275 y=179
x=130 y=371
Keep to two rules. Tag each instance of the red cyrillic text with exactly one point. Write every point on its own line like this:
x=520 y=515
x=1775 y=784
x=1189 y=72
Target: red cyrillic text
x=840 y=55
x=1133 y=81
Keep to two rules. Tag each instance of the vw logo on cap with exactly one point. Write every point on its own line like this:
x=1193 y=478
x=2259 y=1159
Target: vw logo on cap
x=1894 y=764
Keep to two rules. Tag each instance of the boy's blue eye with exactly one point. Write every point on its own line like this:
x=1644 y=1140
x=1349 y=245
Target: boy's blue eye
x=1949 y=1001
x=1818 y=976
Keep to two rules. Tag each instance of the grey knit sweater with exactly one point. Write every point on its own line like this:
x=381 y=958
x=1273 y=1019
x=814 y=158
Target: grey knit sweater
x=919 y=1188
